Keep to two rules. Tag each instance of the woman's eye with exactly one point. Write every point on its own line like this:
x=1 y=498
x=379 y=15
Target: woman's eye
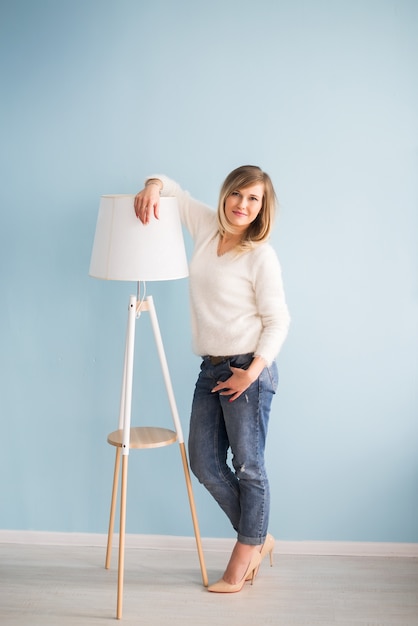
x=254 y=198
x=235 y=193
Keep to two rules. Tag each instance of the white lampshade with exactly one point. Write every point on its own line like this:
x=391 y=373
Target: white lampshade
x=126 y=249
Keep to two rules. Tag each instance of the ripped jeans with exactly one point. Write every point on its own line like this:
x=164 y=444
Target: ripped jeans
x=218 y=425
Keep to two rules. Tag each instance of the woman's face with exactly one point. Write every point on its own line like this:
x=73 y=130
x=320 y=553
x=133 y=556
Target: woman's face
x=243 y=205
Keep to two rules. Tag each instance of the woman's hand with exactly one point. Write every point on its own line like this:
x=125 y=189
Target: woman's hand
x=240 y=380
x=147 y=201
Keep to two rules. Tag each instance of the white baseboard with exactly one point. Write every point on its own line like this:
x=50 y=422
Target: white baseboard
x=348 y=548
x=166 y=542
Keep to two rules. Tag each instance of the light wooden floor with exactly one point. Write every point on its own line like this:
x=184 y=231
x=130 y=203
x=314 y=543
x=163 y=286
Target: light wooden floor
x=68 y=586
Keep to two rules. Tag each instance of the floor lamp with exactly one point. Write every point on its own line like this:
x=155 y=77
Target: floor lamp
x=125 y=249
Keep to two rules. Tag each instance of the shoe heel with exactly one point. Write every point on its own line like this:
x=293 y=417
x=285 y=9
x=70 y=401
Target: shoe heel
x=223 y=587
x=253 y=574
x=268 y=547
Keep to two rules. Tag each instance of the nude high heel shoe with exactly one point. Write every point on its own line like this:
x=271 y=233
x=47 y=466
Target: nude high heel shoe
x=268 y=547
x=223 y=587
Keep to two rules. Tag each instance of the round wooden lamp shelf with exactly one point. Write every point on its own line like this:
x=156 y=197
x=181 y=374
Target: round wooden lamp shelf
x=144 y=437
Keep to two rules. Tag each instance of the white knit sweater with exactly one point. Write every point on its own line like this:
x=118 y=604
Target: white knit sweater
x=237 y=301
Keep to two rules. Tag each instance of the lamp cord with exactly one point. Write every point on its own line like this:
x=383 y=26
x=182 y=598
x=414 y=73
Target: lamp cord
x=139 y=300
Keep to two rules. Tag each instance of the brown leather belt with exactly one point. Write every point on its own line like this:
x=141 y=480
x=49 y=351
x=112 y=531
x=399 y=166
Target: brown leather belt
x=215 y=360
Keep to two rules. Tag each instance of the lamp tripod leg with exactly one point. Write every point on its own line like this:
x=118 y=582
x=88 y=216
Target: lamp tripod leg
x=194 y=515
x=122 y=527
x=113 y=508
x=177 y=424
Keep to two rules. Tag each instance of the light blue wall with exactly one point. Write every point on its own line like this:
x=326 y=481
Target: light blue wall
x=323 y=95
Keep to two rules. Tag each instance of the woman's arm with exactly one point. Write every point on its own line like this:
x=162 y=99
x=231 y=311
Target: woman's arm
x=192 y=212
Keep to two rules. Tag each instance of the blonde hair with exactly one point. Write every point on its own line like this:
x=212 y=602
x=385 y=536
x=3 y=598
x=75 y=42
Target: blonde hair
x=259 y=230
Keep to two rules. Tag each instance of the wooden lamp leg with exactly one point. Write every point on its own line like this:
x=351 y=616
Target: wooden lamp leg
x=122 y=535
x=194 y=515
x=113 y=508
x=176 y=419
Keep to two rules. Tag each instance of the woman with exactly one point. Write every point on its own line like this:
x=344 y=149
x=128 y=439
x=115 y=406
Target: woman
x=239 y=323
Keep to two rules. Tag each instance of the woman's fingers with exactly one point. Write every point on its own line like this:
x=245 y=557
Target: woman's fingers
x=146 y=204
x=235 y=385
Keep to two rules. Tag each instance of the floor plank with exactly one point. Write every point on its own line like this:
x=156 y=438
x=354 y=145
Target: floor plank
x=65 y=585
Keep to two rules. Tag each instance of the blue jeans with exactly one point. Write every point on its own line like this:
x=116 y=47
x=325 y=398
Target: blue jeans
x=218 y=425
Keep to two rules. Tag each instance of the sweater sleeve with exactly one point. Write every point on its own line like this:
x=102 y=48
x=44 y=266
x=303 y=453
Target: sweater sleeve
x=191 y=211
x=271 y=305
